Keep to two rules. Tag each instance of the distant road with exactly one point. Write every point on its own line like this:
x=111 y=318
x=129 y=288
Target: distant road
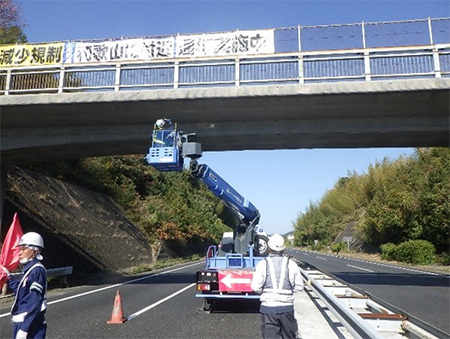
x=421 y=294
x=159 y=305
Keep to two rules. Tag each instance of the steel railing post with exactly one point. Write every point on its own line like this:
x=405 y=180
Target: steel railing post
x=237 y=73
x=436 y=63
x=62 y=74
x=299 y=38
x=301 y=75
x=430 y=31
x=367 y=71
x=176 y=74
x=363 y=32
x=8 y=81
x=117 y=78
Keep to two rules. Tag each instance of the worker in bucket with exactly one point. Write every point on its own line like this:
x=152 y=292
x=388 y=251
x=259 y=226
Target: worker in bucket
x=31 y=290
x=163 y=134
x=276 y=278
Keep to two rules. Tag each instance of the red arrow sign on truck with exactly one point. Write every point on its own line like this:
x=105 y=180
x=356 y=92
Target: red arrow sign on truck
x=235 y=281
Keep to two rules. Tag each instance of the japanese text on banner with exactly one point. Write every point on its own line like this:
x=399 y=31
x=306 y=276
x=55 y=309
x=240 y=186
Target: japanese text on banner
x=131 y=49
x=30 y=55
x=241 y=42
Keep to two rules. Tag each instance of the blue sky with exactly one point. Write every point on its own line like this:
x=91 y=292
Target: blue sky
x=279 y=183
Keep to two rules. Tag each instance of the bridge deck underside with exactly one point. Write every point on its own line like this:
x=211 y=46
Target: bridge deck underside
x=354 y=115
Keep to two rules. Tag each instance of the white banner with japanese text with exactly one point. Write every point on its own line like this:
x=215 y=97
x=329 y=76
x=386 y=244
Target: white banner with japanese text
x=119 y=50
x=205 y=45
x=220 y=44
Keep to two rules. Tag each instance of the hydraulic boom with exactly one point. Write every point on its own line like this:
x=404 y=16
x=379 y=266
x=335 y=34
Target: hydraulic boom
x=228 y=272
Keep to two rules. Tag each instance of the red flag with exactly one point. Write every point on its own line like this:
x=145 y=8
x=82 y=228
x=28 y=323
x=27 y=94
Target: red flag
x=10 y=253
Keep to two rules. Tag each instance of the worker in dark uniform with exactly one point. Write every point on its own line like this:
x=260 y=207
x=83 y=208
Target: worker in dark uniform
x=276 y=278
x=163 y=134
x=31 y=290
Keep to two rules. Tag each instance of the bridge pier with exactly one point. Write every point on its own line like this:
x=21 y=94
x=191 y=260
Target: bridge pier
x=3 y=186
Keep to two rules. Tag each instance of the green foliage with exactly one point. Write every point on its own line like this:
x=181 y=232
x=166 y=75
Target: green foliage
x=338 y=247
x=419 y=252
x=11 y=35
x=388 y=251
x=165 y=206
x=326 y=219
x=10 y=23
x=396 y=201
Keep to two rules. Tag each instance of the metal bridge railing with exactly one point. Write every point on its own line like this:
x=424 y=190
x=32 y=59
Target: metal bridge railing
x=428 y=61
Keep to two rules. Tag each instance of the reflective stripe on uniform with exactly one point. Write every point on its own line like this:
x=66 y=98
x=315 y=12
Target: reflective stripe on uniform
x=277 y=286
x=37 y=287
x=19 y=318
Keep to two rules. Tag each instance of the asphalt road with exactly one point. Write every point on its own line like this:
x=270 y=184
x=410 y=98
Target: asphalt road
x=163 y=304
x=159 y=305
x=420 y=294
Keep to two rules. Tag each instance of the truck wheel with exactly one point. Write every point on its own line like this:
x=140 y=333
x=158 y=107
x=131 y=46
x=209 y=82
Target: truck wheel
x=207 y=305
x=263 y=245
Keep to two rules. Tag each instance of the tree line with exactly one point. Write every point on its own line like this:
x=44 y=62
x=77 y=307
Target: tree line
x=394 y=202
x=171 y=206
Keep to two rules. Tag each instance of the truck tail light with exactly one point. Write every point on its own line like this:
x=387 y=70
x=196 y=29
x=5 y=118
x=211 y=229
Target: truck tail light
x=203 y=287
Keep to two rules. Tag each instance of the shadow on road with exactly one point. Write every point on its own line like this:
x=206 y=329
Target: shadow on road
x=234 y=306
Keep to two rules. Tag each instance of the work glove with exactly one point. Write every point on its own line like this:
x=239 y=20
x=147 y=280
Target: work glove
x=21 y=335
x=5 y=269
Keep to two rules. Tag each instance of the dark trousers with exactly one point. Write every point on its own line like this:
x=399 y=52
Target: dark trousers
x=280 y=325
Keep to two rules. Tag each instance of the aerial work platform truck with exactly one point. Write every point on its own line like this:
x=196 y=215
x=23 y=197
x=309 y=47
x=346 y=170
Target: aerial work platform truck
x=229 y=266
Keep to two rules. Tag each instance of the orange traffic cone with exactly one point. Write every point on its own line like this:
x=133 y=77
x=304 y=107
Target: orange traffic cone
x=117 y=312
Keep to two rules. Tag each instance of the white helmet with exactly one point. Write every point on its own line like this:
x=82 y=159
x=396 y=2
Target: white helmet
x=276 y=243
x=31 y=239
x=163 y=123
x=160 y=123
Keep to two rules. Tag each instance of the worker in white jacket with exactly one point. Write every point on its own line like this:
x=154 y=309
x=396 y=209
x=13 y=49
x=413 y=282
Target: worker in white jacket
x=276 y=278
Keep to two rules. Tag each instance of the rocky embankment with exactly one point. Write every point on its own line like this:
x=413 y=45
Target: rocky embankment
x=81 y=228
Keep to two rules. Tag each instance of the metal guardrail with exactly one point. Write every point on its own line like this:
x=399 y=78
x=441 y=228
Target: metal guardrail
x=375 y=321
x=413 y=62
x=54 y=272
x=352 y=322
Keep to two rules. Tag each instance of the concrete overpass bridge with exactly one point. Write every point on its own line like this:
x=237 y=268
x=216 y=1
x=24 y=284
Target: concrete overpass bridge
x=400 y=113
x=358 y=85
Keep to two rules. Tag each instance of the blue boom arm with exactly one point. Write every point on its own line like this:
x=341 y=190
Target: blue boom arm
x=168 y=149
x=242 y=207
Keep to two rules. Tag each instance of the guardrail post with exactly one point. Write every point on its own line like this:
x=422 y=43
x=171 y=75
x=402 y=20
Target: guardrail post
x=437 y=63
x=176 y=74
x=8 y=82
x=301 y=75
x=117 y=79
x=237 y=73
x=367 y=72
x=62 y=74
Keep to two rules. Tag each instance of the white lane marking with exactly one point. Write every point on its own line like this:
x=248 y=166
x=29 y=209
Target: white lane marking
x=112 y=286
x=445 y=275
x=321 y=258
x=360 y=268
x=134 y=315
x=400 y=267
